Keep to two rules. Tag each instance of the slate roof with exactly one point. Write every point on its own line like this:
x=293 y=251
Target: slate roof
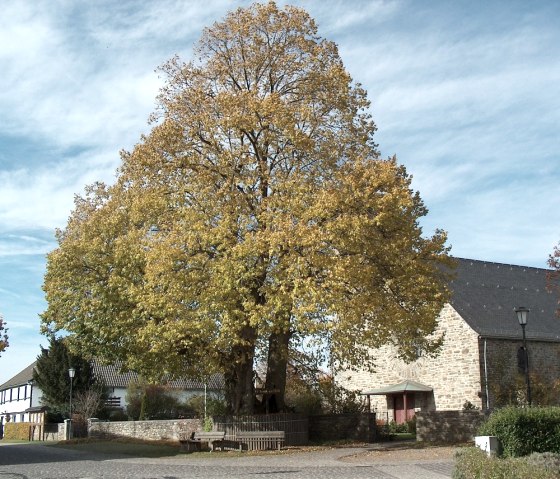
x=112 y=377
x=20 y=378
x=485 y=295
x=405 y=386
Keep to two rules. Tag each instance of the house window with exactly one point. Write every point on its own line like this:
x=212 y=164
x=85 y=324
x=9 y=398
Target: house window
x=113 y=401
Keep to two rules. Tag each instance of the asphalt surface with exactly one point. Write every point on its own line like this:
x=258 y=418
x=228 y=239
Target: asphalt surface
x=34 y=461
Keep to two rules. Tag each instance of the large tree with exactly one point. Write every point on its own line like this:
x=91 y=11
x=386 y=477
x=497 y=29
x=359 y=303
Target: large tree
x=3 y=334
x=51 y=375
x=256 y=212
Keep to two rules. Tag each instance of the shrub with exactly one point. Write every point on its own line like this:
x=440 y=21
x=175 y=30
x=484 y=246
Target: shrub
x=115 y=415
x=53 y=416
x=411 y=424
x=472 y=463
x=394 y=428
x=469 y=406
x=214 y=406
x=153 y=401
x=301 y=397
x=523 y=431
x=336 y=399
x=17 y=431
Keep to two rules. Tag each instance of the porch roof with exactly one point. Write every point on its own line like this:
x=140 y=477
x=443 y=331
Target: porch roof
x=402 y=387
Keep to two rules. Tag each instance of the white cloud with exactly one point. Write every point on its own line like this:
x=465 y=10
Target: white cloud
x=43 y=198
x=468 y=99
x=16 y=245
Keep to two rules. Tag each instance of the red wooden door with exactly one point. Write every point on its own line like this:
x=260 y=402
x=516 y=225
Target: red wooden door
x=403 y=407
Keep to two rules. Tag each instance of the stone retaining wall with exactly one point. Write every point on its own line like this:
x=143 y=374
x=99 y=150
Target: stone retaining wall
x=171 y=430
x=336 y=427
x=448 y=426
x=359 y=427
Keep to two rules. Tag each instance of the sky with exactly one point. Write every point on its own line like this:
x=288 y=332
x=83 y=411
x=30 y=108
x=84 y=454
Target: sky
x=466 y=94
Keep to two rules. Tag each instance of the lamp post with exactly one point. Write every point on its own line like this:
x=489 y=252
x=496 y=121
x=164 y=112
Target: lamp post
x=522 y=318
x=71 y=373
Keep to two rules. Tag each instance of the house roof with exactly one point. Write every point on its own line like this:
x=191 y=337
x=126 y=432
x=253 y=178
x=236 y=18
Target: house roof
x=402 y=387
x=485 y=295
x=20 y=378
x=112 y=376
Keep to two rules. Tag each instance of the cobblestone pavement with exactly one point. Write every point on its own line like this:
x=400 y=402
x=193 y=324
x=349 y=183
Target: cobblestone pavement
x=30 y=461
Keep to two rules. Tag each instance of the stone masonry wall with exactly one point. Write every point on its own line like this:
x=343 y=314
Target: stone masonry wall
x=149 y=430
x=448 y=426
x=503 y=373
x=454 y=374
x=336 y=427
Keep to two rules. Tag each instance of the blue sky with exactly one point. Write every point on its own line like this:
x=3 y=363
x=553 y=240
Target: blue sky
x=465 y=93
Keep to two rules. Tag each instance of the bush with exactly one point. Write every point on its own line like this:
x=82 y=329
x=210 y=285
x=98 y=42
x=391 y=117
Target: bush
x=394 y=428
x=52 y=416
x=17 y=431
x=153 y=401
x=214 y=406
x=411 y=424
x=473 y=463
x=523 y=431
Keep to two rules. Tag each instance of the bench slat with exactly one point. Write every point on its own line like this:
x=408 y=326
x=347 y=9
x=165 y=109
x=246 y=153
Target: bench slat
x=259 y=440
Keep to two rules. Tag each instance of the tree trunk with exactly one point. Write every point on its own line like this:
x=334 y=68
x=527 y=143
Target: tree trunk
x=276 y=371
x=238 y=375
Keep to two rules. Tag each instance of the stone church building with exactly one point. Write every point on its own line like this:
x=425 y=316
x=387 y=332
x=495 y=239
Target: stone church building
x=482 y=361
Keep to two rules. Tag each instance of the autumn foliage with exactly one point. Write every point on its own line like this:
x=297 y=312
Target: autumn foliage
x=256 y=212
x=3 y=335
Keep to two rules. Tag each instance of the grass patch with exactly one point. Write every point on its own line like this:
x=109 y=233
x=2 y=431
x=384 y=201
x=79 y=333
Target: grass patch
x=472 y=463
x=19 y=441
x=154 y=449
x=128 y=447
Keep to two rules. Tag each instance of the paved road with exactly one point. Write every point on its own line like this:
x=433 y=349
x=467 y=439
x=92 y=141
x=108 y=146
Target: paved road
x=33 y=461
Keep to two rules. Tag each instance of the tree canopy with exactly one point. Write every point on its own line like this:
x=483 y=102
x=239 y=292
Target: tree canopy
x=51 y=375
x=256 y=212
x=3 y=335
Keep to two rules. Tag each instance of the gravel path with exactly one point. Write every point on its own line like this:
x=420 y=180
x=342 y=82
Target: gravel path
x=30 y=461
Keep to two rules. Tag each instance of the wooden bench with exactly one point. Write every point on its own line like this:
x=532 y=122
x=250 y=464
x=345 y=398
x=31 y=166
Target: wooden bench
x=215 y=440
x=260 y=440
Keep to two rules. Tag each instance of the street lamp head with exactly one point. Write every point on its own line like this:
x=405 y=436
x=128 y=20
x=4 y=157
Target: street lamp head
x=71 y=373
x=522 y=315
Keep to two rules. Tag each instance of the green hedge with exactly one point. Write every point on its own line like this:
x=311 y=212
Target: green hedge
x=524 y=431
x=472 y=463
